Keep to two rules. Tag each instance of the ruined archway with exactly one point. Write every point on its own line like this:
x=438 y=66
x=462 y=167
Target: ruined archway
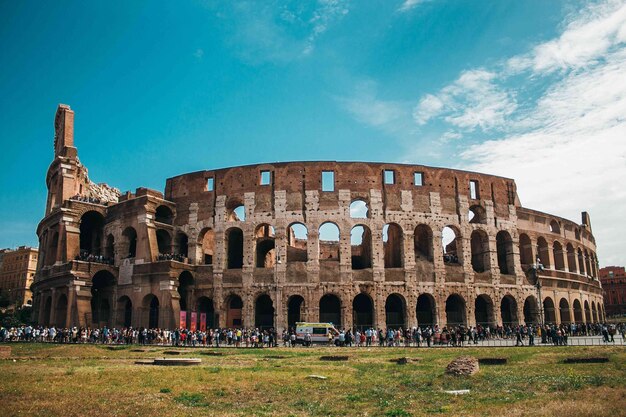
x=91 y=233
x=125 y=311
x=164 y=241
x=395 y=311
x=455 y=311
x=549 y=311
x=185 y=287
x=557 y=252
x=423 y=243
x=234 y=306
x=297 y=243
x=206 y=312
x=531 y=314
x=393 y=245
x=207 y=241
x=483 y=311
x=525 y=251
x=480 y=251
x=265 y=253
x=264 y=312
x=452 y=245
x=164 y=214
x=543 y=252
x=129 y=236
x=361 y=247
x=295 y=310
x=425 y=310
x=102 y=288
x=330 y=310
x=508 y=311
x=329 y=242
x=234 y=248
x=504 y=245
x=150 y=306
x=363 y=312
x=564 y=311
x=578 y=312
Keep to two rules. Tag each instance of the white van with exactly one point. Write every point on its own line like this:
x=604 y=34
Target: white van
x=318 y=331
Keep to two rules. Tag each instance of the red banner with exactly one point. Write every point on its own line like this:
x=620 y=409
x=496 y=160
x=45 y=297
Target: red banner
x=183 y=319
x=203 y=322
x=194 y=319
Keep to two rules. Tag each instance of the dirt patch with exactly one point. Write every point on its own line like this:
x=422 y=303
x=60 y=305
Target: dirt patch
x=493 y=361
x=463 y=365
x=211 y=353
x=598 y=359
x=334 y=358
x=172 y=352
x=5 y=352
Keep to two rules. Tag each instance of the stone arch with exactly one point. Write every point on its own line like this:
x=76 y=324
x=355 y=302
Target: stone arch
x=297 y=243
x=578 y=312
x=205 y=306
x=549 y=311
x=91 y=233
x=109 y=248
x=295 y=310
x=361 y=247
x=363 y=311
x=234 y=308
x=587 y=263
x=125 y=311
x=504 y=244
x=234 y=248
x=329 y=236
x=423 y=242
x=564 y=311
x=456 y=313
x=587 y=312
x=395 y=311
x=206 y=239
x=508 y=310
x=186 y=283
x=164 y=241
x=265 y=246
x=477 y=215
x=571 y=259
x=102 y=288
x=581 y=263
x=164 y=214
x=181 y=244
x=480 y=251
x=543 y=252
x=557 y=251
x=554 y=226
x=129 y=236
x=483 y=311
x=236 y=211
x=264 y=312
x=594 y=312
x=452 y=245
x=359 y=209
x=531 y=315
x=151 y=307
x=330 y=309
x=47 y=311
x=393 y=245
x=60 y=312
x=525 y=251
x=426 y=310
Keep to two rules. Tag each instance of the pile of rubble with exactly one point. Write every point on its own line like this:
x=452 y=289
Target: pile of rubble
x=463 y=365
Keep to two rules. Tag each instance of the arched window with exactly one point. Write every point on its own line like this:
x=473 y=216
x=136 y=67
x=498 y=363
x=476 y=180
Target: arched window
x=329 y=242
x=483 y=310
x=455 y=311
x=525 y=251
x=297 y=243
x=477 y=214
x=554 y=227
x=330 y=310
x=361 y=246
x=91 y=233
x=207 y=240
x=237 y=213
x=393 y=245
x=265 y=253
x=423 y=243
x=181 y=246
x=130 y=242
x=359 y=209
x=164 y=241
x=504 y=243
x=164 y=215
x=234 y=245
x=543 y=252
x=363 y=312
x=452 y=245
x=480 y=251
x=571 y=258
x=559 y=261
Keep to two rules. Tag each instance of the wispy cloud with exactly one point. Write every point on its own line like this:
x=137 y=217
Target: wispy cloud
x=410 y=4
x=199 y=54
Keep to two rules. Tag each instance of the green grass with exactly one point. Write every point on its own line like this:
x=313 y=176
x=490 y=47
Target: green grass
x=49 y=380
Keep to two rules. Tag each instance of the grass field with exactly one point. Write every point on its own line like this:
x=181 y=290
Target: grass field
x=65 y=380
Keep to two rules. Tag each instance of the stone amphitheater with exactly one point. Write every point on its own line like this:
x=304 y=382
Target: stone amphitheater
x=352 y=243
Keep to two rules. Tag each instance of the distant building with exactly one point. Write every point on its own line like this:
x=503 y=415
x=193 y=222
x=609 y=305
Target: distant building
x=17 y=269
x=613 y=279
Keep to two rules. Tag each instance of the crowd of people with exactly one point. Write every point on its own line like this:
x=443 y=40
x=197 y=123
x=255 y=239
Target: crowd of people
x=86 y=199
x=171 y=257
x=88 y=257
x=427 y=336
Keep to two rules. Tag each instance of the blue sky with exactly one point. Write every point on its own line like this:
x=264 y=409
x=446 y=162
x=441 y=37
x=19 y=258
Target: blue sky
x=532 y=90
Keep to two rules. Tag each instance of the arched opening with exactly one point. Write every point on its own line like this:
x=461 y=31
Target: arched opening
x=361 y=245
x=234 y=245
x=237 y=213
x=265 y=253
x=125 y=311
x=164 y=241
x=425 y=310
x=543 y=252
x=234 y=304
x=151 y=308
x=548 y=311
x=554 y=227
x=164 y=215
x=477 y=214
x=109 y=249
x=393 y=245
x=594 y=312
x=483 y=311
x=504 y=245
x=47 y=311
x=181 y=245
x=452 y=245
x=581 y=262
x=51 y=253
x=130 y=242
x=185 y=286
x=557 y=251
x=295 y=310
x=564 y=310
x=395 y=311
x=61 y=311
x=571 y=258
x=206 y=311
x=359 y=209
x=508 y=311
x=531 y=315
x=578 y=312
x=264 y=312
x=587 y=312
x=525 y=251
x=423 y=243
x=362 y=312
x=455 y=311
x=207 y=240
x=330 y=310
x=587 y=263
x=480 y=251
x=297 y=240
x=329 y=242
x=102 y=285
x=91 y=233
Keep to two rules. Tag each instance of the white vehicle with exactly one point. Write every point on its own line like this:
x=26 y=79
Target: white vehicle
x=319 y=332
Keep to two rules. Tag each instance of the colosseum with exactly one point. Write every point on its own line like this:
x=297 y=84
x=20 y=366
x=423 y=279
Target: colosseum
x=352 y=243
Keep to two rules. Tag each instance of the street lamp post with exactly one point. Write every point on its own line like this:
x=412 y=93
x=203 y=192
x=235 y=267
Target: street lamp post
x=534 y=269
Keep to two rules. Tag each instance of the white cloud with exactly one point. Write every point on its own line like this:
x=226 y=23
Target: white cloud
x=410 y=4
x=199 y=53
